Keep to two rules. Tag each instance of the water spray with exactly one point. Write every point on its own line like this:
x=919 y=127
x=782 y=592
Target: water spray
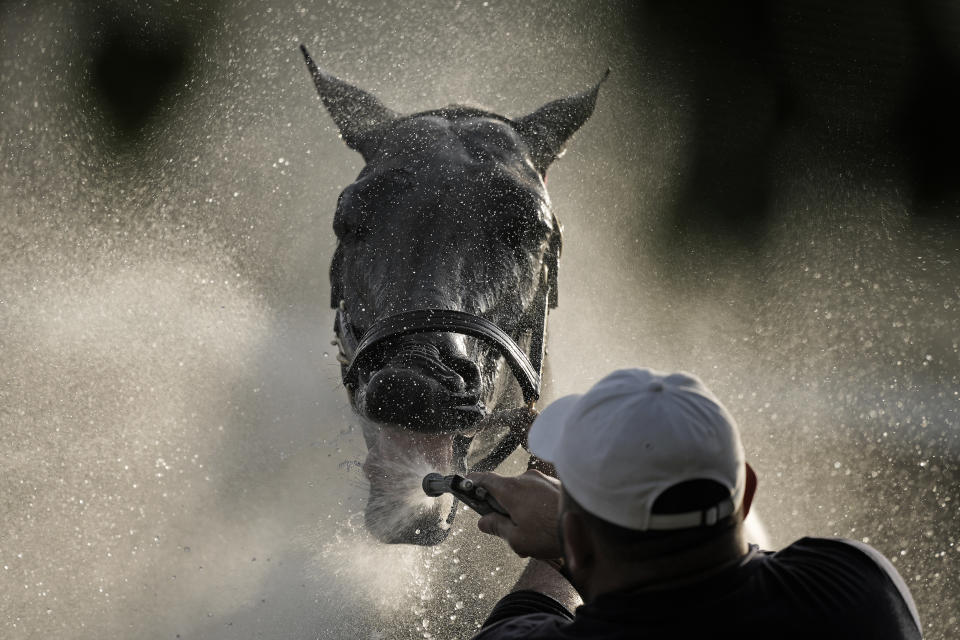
x=477 y=498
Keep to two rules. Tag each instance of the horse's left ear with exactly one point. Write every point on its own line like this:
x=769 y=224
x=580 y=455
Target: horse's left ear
x=356 y=112
x=548 y=128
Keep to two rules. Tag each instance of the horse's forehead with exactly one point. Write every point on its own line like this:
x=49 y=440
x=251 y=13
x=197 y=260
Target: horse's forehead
x=429 y=135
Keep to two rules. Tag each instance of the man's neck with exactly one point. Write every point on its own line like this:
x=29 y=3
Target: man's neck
x=669 y=570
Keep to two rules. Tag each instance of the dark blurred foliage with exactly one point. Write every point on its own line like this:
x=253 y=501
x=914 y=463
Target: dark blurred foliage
x=132 y=71
x=140 y=57
x=929 y=127
x=869 y=84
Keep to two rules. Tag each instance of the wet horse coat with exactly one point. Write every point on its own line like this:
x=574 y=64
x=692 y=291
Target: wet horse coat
x=449 y=213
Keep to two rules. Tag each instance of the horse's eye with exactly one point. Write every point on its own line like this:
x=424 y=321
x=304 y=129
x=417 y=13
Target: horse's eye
x=351 y=220
x=366 y=200
x=523 y=229
x=516 y=213
x=523 y=220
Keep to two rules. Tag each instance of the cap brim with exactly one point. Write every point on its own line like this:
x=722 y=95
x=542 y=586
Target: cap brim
x=547 y=430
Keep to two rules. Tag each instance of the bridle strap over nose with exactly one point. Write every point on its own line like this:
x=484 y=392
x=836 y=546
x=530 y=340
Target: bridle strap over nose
x=525 y=369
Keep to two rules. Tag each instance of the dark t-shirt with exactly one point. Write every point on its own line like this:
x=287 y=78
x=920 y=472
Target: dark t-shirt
x=814 y=588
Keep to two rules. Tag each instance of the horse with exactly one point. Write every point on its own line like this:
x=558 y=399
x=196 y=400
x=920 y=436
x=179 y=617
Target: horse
x=443 y=274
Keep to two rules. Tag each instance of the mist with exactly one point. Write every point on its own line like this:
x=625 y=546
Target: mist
x=772 y=207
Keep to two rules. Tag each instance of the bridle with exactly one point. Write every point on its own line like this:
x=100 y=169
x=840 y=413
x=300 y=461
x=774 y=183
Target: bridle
x=356 y=351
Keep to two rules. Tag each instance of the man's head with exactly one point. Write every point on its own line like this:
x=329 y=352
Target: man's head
x=651 y=464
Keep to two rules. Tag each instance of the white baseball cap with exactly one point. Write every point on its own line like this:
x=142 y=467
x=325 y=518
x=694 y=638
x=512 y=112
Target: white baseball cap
x=635 y=434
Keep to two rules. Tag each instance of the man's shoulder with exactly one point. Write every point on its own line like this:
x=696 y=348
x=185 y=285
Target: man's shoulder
x=847 y=568
x=831 y=551
x=838 y=556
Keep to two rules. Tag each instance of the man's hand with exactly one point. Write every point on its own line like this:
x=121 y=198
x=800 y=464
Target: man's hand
x=533 y=502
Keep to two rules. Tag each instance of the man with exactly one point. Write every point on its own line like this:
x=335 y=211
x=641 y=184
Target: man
x=646 y=525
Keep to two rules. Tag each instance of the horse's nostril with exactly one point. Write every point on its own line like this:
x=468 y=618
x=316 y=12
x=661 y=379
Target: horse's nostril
x=468 y=371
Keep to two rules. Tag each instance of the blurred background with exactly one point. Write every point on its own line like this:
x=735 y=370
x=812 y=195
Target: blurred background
x=766 y=195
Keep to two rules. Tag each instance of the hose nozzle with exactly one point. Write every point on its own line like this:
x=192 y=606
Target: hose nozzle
x=477 y=498
x=435 y=485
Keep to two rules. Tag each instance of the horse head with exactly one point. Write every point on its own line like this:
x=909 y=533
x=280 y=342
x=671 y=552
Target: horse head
x=447 y=248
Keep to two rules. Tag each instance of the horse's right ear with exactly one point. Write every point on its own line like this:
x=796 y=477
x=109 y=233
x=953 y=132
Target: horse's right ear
x=547 y=129
x=355 y=111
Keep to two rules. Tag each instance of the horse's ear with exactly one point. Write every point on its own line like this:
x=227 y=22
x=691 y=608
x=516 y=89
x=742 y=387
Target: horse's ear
x=548 y=128
x=355 y=111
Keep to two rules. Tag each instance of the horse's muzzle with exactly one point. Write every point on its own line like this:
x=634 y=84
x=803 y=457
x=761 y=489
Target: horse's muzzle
x=423 y=388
